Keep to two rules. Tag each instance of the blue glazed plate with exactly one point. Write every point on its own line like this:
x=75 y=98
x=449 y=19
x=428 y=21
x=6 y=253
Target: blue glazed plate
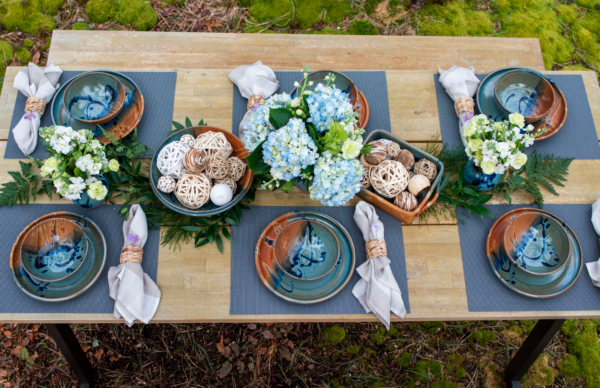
x=74 y=285
x=533 y=286
x=304 y=291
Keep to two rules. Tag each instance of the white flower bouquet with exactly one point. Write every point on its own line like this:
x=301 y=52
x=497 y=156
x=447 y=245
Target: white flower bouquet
x=313 y=137
x=76 y=163
x=495 y=146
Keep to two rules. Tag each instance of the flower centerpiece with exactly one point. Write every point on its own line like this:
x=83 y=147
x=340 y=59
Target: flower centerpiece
x=312 y=138
x=493 y=147
x=75 y=165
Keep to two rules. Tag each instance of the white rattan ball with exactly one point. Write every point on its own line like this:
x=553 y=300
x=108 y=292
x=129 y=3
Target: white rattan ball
x=193 y=191
x=217 y=167
x=170 y=159
x=366 y=181
x=188 y=140
x=426 y=168
x=389 y=178
x=237 y=168
x=214 y=143
x=166 y=184
x=227 y=181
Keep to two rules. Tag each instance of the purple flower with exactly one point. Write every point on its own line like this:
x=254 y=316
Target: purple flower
x=374 y=229
x=29 y=116
x=255 y=107
x=133 y=239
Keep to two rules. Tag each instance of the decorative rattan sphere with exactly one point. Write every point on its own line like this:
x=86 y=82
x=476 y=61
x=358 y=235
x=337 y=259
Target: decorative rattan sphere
x=229 y=182
x=389 y=178
x=393 y=149
x=366 y=181
x=427 y=168
x=418 y=184
x=188 y=140
x=213 y=143
x=194 y=161
x=193 y=191
x=411 y=174
x=166 y=184
x=406 y=158
x=406 y=201
x=378 y=153
x=169 y=161
x=237 y=168
x=217 y=167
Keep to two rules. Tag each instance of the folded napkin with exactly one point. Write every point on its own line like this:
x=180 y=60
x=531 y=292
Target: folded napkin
x=594 y=267
x=135 y=293
x=38 y=85
x=377 y=290
x=256 y=82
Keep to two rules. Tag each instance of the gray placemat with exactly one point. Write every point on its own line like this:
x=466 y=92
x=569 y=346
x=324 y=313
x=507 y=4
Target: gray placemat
x=485 y=292
x=95 y=300
x=250 y=296
x=158 y=89
x=372 y=83
x=576 y=139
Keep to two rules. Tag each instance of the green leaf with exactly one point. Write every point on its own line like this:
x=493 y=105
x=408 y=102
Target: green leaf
x=201 y=122
x=288 y=186
x=279 y=117
x=230 y=221
x=201 y=243
x=256 y=161
x=226 y=234
x=471 y=192
x=219 y=242
x=366 y=149
x=188 y=122
x=312 y=132
x=178 y=126
x=190 y=228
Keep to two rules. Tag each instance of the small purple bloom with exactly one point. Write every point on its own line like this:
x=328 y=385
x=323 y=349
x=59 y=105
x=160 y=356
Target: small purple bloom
x=374 y=229
x=29 y=116
x=133 y=239
x=255 y=107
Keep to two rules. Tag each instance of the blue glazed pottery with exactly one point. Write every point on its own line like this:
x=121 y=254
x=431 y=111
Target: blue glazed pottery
x=76 y=284
x=53 y=250
x=307 y=291
x=524 y=283
x=524 y=92
x=473 y=176
x=86 y=202
x=94 y=97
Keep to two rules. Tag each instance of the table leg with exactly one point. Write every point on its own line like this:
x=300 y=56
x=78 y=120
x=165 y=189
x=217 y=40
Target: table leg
x=69 y=346
x=534 y=345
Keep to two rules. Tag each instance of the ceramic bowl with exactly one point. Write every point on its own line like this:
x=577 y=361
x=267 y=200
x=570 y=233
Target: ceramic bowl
x=94 y=98
x=537 y=243
x=209 y=208
x=54 y=249
x=524 y=92
x=306 y=249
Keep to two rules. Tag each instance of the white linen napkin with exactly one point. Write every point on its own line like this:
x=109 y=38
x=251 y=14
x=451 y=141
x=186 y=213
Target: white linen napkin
x=594 y=267
x=38 y=83
x=377 y=290
x=135 y=293
x=251 y=80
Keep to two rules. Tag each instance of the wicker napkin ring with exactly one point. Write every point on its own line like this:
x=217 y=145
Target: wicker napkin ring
x=131 y=253
x=255 y=99
x=464 y=104
x=376 y=248
x=35 y=104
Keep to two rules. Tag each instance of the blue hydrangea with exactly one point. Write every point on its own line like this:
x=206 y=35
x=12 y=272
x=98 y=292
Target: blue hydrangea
x=289 y=150
x=328 y=104
x=336 y=179
x=258 y=126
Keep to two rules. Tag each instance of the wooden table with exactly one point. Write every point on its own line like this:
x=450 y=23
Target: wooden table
x=195 y=281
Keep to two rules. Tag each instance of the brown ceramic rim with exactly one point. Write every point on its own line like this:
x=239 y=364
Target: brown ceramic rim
x=530 y=119
x=540 y=124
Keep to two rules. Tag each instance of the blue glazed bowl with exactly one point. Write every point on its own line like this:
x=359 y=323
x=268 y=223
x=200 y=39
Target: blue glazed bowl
x=525 y=92
x=94 y=98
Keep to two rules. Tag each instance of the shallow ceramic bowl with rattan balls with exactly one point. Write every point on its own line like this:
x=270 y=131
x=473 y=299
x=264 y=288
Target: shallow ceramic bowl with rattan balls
x=208 y=209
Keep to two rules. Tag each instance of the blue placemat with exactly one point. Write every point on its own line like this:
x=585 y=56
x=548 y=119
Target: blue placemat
x=485 y=292
x=158 y=89
x=250 y=296
x=95 y=300
x=576 y=139
x=372 y=83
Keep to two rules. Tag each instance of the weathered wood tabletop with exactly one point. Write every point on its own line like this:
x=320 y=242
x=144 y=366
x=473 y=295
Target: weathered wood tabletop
x=195 y=281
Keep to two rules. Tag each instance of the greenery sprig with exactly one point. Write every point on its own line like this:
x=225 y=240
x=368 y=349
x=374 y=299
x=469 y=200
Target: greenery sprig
x=24 y=185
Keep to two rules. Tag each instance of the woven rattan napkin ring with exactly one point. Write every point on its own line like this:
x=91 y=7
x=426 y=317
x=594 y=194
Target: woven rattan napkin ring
x=376 y=248
x=131 y=253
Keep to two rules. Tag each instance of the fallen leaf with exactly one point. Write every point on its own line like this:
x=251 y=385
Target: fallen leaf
x=16 y=351
x=267 y=334
x=137 y=346
x=286 y=353
x=251 y=366
x=7 y=334
x=25 y=341
x=253 y=340
x=114 y=359
x=99 y=353
x=224 y=350
x=7 y=344
x=311 y=366
x=24 y=355
x=263 y=351
x=33 y=357
x=225 y=369
x=236 y=348
x=3 y=373
x=290 y=344
x=86 y=348
x=252 y=326
x=35 y=328
x=36 y=57
x=241 y=367
x=268 y=324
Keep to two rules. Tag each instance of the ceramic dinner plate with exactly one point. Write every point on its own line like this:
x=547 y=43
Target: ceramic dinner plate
x=487 y=104
x=298 y=290
x=534 y=286
x=120 y=126
x=74 y=285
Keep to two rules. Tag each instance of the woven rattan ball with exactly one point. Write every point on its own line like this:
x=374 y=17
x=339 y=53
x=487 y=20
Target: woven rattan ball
x=229 y=182
x=213 y=143
x=411 y=174
x=389 y=178
x=426 y=168
x=406 y=158
x=393 y=149
x=418 y=184
x=237 y=168
x=366 y=181
x=169 y=161
x=406 y=201
x=217 y=167
x=188 y=140
x=195 y=161
x=378 y=153
x=166 y=184
x=193 y=191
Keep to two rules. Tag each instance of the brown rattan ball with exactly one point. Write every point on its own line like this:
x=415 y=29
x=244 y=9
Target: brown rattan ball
x=406 y=158
x=393 y=149
x=365 y=181
x=406 y=201
x=237 y=168
x=195 y=161
x=229 y=182
x=389 y=178
x=217 y=167
x=193 y=191
x=426 y=168
x=378 y=153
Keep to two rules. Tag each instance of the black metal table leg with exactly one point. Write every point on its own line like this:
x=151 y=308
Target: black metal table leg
x=534 y=345
x=69 y=346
